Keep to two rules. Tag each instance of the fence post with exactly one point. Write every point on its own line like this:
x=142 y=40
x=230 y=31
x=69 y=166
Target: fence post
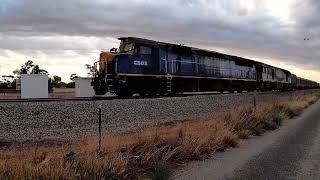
x=100 y=113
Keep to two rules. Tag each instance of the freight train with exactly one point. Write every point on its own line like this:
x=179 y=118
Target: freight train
x=153 y=68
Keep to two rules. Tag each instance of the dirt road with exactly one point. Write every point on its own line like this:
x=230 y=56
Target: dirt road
x=291 y=152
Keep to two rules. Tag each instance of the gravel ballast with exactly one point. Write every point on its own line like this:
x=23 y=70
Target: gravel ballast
x=67 y=120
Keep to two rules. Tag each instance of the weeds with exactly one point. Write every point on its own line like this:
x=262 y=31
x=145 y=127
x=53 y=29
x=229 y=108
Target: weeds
x=99 y=170
x=160 y=171
x=152 y=152
x=230 y=141
x=244 y=134
x=258 y=130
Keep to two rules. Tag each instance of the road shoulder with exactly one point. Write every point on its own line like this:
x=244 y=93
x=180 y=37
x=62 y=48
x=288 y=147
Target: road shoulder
x=224 y=164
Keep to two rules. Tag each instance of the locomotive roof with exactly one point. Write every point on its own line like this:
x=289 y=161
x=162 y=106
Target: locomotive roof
x=198 y=51
x=152 y=42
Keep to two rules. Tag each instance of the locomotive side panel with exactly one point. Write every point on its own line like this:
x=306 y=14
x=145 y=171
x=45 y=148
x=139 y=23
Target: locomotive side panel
x=150 y=67
x=273 y=78
x=221 y=66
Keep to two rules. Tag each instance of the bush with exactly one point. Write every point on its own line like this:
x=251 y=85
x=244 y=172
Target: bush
x=230 y=141
x=270 y=126
x=99 y=170
x=258 y=130
x=292 y=112
x=277 y=118
x=243 y=134
x=160 y=171
x=71 y=85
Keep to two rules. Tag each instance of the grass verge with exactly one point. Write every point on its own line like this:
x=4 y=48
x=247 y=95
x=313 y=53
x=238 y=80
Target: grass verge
x=151 y=153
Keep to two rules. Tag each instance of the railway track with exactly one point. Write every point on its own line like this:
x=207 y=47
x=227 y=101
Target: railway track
x=97 y=98
x=55 y=99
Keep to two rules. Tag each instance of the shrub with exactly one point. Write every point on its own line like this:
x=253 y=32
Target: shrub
x=292 y=112
x=277 y=118
x=270 y=126
x=160 y=171
x=99 y=170
x=243 y=134
x=230 y=141
x=258 y=129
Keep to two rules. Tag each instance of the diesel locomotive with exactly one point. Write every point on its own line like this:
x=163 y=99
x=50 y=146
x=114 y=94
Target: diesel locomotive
x=154 y=68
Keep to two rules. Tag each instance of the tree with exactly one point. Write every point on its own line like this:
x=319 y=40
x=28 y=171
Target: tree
x=71 y=85
x=8 y=82
x=4 y=85
x=25 y=69
x=92 y=70
x=73 y=76
x=56 y=81
x=8 y=78
x=36 y=70
x=29 y=68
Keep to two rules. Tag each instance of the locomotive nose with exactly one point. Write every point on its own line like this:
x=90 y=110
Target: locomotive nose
x=105 y=57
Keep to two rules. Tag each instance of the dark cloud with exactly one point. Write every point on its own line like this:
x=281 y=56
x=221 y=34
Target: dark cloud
x=246 y=28
x=111 y=18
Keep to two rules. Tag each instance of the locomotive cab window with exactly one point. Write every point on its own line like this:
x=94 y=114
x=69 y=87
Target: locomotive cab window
x=144 y=50
x=127 y=47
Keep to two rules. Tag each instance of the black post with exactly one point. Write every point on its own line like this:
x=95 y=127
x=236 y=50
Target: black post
x=100 y=129
x=254 y=102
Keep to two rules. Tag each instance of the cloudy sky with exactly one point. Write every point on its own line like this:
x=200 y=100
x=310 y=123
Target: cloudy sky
x=63 y=35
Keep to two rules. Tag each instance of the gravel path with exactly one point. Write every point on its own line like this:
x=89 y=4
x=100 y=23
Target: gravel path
x=78 y=119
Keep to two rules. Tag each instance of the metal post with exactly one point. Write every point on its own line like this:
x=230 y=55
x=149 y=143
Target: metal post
x=254 y=102
x=100 y=113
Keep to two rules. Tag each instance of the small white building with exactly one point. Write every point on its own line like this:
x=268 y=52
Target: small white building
x=34 y=86
x=18 y=84
x=83 y=87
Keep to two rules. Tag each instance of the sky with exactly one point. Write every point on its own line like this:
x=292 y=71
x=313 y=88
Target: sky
x=64 y=35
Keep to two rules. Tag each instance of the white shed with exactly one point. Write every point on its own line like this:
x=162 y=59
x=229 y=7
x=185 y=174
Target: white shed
x=83 y=87
x=34 y=86
x=18 y=84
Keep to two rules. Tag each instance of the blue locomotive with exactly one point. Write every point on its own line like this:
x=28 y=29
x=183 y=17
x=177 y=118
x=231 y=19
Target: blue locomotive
x=154 y=68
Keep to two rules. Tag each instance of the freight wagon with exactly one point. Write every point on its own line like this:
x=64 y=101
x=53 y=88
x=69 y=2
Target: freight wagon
x=153 y=68
x=305 y=84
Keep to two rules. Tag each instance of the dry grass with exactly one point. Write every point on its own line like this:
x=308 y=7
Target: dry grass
x=152 y=152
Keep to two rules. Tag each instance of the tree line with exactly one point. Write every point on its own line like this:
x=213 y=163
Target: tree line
x=9 y=81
